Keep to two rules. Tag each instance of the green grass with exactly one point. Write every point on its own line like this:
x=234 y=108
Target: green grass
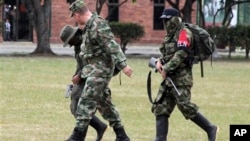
x=33 y=107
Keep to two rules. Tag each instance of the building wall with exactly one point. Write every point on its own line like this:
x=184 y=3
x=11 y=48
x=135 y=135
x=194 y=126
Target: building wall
x=140 y=12
x=60 y=16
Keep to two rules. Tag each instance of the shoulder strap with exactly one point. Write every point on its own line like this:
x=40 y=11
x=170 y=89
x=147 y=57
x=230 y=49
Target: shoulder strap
x=149 y=88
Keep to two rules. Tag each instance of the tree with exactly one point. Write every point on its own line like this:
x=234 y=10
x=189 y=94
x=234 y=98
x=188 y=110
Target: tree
x=229 y=11
x=39 y=15
x=127 y=32
x=228 y=14
x=186 y=10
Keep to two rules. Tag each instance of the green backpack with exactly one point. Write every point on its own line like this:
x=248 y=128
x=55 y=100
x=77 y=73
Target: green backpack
x=203 y=46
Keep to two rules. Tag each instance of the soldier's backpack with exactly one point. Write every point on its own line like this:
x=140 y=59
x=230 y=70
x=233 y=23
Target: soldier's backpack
x=203 y=46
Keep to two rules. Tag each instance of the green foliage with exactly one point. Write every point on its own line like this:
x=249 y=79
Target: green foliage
x=219 y=38
x=127 y=32
x=237 y=36
x=223 y=34
x=1 y=2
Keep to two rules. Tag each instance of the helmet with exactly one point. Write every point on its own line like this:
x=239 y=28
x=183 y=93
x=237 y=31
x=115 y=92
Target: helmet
x=168 y=13
x=67 y=33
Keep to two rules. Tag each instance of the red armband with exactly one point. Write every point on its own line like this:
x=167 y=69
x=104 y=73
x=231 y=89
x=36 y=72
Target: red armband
x=183 y=41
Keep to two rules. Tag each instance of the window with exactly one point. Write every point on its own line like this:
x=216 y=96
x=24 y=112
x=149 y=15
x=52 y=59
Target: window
x=113 y=10
x=159 y=6
x=243 y=17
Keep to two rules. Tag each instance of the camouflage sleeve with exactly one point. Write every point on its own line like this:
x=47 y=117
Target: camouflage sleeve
x=106 y=39
x=175 y=61
x=184 y=44
x=79 y=65
x=161 y=48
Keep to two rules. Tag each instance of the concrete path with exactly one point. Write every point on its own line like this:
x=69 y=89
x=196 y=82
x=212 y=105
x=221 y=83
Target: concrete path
x=149 y=50
x=8 y=48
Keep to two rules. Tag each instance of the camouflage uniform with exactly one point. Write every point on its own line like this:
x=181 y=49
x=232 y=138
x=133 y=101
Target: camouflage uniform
x=72 y=36
x=100 y=52
x=77 y=88
x=178 y=68
x=176 y=61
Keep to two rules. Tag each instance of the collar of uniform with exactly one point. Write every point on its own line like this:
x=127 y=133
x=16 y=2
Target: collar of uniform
x=89 y=22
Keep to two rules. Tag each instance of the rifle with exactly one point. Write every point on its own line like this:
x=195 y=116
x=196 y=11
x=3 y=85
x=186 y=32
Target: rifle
x=151 y=64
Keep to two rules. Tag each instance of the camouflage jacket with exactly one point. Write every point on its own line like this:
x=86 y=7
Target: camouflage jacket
x=175 y=59
x=79 y=61
x=100 y=50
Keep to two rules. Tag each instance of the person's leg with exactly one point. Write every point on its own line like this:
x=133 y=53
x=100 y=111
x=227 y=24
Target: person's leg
x=95 y=122
x=86 y=108
x=75 y=96
x=161 y=128
x=190 y=111
x=99 y=126
x=78 y=135
x=121 y=134
x=5 y=36
x=110 y=113
x=8 y=36
x=207 y=126
x=162 y=109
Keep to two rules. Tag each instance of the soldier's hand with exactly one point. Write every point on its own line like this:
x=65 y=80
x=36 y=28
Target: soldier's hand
x=160 y=70
x=76 y=79
x=128 y=71
x=158 y=66
x=163 y=74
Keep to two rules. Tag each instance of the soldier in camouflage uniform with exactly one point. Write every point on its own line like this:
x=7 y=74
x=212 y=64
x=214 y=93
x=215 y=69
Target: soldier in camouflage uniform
x=101 y=52
x=175 y=62
x=72 y=36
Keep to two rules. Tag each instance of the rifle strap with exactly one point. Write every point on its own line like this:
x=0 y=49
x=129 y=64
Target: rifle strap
x=149 y=87
x=202 y=73
x=120 y=78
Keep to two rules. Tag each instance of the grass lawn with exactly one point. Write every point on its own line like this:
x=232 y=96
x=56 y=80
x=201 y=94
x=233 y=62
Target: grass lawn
x=33 y=107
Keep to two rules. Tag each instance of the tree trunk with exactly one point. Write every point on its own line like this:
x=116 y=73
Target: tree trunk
x=187 y=11
x=247 y=50
x=99 y=5
x=39 y=15
x=201 y=20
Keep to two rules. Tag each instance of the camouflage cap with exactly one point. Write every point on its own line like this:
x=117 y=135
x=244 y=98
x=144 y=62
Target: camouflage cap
x=168 y=13
x=67 y=33
x=75 y=6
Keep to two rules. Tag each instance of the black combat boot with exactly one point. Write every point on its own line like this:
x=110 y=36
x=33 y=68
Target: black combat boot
x=99 y=126
x=120 y=134
x=203 y=123
x=161 y=128
x=78 y=135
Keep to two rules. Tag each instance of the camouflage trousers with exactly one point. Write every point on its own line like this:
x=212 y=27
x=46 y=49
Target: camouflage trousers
x=167 y=98
x=96 y=96
x=75 y=96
